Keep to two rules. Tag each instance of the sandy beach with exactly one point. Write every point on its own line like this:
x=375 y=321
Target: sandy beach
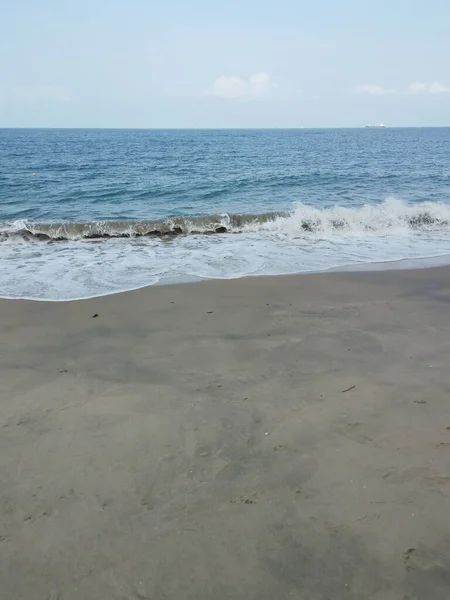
x=267 y=439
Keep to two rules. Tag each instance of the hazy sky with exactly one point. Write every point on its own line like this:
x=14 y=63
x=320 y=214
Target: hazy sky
x=233 y=63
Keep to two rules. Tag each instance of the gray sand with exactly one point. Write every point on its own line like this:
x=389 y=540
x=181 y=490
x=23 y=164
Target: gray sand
x=196 y=442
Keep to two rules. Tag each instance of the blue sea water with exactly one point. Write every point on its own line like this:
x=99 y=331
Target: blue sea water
x=91 y=212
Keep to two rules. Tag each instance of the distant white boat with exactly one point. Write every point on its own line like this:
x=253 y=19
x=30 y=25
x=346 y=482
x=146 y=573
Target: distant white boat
x=375 y=126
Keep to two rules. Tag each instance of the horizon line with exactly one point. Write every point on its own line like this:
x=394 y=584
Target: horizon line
x=298 y=128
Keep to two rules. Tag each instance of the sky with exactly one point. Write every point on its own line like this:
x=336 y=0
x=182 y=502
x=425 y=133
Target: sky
x=233 y=63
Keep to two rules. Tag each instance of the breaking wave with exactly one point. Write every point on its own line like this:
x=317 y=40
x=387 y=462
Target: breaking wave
x=391 y=215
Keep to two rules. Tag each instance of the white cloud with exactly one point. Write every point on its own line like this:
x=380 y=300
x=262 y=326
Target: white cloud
x=259 y=85
x=373 y=89
x=418 y=87
x=228 y=87
x=435 y=87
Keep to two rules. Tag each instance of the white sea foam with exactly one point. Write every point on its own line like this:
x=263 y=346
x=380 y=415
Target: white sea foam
x=305 y=239
x=391 y=216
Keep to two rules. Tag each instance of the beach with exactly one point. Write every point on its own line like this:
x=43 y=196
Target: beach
x=260 y=438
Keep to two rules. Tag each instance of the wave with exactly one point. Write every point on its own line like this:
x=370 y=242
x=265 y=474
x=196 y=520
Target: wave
x=302 y=221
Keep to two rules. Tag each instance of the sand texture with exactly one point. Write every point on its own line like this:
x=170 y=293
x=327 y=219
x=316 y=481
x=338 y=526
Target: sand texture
x=260 y=439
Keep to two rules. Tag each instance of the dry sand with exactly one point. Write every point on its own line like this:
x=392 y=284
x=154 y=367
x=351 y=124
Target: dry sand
x=196 y=442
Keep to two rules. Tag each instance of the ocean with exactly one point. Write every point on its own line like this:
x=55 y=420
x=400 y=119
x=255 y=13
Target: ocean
x=91 y=212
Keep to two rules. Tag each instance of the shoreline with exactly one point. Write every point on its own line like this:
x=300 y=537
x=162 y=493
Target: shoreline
x=309 y=238
x=267 y=437
x=403 y=264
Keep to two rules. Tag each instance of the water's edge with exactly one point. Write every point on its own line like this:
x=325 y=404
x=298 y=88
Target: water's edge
x=404 y=264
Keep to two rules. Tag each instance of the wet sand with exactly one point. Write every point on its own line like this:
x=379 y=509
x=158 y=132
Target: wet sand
x=256 y=439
